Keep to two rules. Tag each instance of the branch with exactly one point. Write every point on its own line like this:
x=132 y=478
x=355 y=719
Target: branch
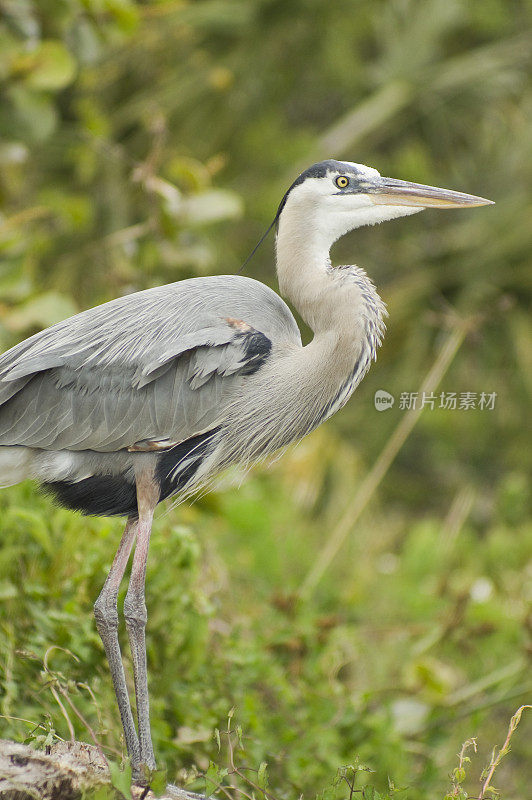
x=71 y=769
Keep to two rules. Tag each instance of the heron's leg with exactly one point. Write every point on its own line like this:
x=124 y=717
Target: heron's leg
x=135 y=613
x=105 y=612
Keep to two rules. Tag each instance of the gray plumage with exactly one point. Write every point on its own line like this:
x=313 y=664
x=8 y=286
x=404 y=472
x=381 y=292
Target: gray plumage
x=154 y=393
x=163 y=363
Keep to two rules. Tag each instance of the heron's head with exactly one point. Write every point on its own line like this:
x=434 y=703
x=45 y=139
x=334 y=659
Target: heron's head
x=335 y=197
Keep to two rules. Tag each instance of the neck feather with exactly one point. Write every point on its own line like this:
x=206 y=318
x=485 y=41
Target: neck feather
x=342 y=307
x=306 y=385
x=338 y=302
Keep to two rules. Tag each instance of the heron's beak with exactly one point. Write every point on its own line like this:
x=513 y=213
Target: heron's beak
x=391 y=192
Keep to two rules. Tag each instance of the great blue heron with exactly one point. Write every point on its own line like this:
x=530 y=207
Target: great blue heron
x=152 y=394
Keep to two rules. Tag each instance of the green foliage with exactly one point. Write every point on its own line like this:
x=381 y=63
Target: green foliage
x=121 y=779
x=133 y=137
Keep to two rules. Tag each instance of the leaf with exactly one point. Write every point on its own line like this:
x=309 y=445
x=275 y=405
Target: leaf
x=28 y=115
x=7 y=590
x=239 y=736
x=211 y=206
x=329 y=793
x=102 y=793
x=121 y=779
x=212 y=779
x=158 y=781
x=262 y=776
x=125 y=14
x=459 y=774
x=50 y=66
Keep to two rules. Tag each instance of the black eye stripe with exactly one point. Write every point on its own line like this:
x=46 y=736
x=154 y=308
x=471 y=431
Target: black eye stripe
x=322 y=169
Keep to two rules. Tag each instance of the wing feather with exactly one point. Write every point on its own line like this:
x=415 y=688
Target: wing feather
x=158 y=365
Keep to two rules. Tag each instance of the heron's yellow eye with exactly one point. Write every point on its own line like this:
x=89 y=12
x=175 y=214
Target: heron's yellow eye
x=342 y=181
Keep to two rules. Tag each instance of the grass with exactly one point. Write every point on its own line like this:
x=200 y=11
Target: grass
x=414 y=641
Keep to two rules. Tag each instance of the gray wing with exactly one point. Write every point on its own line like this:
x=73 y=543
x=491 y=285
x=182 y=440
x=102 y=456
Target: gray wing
x=159 y=365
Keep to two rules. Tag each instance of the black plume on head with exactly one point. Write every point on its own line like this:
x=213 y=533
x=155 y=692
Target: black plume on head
x=319 y=170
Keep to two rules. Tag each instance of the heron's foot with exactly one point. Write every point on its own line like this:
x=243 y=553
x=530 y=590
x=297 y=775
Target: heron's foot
x=153 y=782
x=143 y=774
x=144 y=767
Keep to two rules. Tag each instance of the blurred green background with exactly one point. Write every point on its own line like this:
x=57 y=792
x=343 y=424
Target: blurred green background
x=145 y=142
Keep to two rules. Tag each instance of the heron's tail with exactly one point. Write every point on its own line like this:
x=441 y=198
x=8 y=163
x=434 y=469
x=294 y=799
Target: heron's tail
x=116 y=495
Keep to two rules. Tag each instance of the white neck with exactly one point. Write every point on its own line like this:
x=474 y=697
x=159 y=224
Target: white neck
x=306 y=385
x=340 y=304
x=335 y=301
x=311 y=220
x=302 y=267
